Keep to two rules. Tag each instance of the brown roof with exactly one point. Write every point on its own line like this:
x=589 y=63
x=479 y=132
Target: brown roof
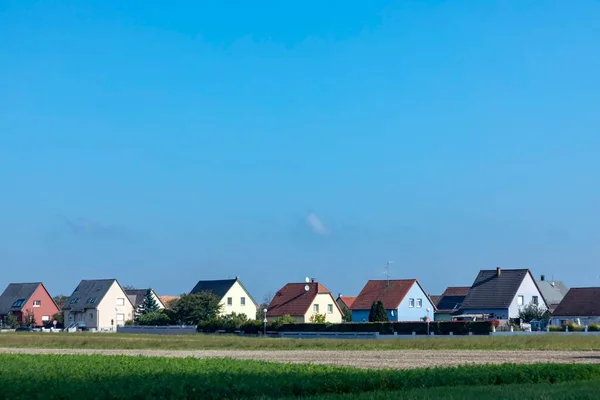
x=580 y=302
x=294 y=300
x=347 y=300
x=391 y=293
x=435 y=298
x=167 y=300
x=456 y=291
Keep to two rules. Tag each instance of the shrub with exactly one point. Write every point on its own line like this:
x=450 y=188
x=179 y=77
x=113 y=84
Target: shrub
x=317 y=318
x=594 y=327
x=154 y=319
x=283 y=320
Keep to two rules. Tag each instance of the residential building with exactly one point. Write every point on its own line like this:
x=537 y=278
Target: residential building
x=580 y=305
x=303 y=300
x=98 y=305
x=168 y=301
x=403 y=300
x=553 y=292
x=345 y=301
x=501 y=293
x=450 y=302
x=137 y=296
x=26 y=300
x=234 y=296
x=435 y=298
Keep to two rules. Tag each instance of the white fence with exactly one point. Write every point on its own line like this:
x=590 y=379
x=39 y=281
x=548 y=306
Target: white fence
x=158 y=330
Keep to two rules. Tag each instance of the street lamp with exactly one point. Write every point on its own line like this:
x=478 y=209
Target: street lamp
x=428 y=321
x=265 y=322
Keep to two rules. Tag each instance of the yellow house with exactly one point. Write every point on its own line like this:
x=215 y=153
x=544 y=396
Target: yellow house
x=234 y=296
x=303 y=300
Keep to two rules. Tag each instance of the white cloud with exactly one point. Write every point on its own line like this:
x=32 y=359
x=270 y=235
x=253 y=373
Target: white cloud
x=316 y=224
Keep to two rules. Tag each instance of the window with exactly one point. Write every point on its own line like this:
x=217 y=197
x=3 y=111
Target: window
x=120 y=317
x=45 y=318
x=91 y=316
x=70 y=317
x=330 y=308
x=316 y=308
x=411 y=303
x=37 y=303
x=120 y=302
x=419 y=303
x=230 y=301
x=19 y=303
x=534 y=300
x=243 y=301
x=520 y=300
x=74 y=300
x=91 y=300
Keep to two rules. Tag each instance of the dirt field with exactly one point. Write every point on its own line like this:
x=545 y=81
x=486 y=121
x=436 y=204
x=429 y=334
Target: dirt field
x=361 y=359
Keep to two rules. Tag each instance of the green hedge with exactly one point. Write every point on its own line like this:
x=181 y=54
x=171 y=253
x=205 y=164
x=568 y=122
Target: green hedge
x=383 y=328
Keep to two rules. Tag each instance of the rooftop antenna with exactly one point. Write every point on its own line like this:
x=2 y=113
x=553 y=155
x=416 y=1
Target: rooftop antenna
x=387 y=272
x=306 y=287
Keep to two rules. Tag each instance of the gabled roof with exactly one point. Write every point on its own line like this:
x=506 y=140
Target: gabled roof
x=580 y=302
x=168 y=300
x=16 y=295
x=553 y=291
x=495 y=288
x=452 y=298
x=89 y=293
x=347 y=300
x=219 y=287
x=294 y=300
x=136 y=296
x=435 y=298
x=390 y=292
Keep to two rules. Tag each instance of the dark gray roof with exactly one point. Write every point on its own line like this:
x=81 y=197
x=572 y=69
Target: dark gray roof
x=553 y=291
x=136 y=296
x=492 y=290
x=218 y=287
x=16 y=295
x=88 y=294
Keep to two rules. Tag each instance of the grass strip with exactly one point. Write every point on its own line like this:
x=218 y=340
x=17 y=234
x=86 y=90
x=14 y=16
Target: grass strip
x=552 y=341
x=587 y=390
x=122 y=377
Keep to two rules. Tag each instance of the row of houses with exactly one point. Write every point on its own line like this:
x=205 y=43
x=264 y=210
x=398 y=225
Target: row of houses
x=103 y=304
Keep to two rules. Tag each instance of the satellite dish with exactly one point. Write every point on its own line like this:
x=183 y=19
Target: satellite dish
x=307 y=279
x=306 y=288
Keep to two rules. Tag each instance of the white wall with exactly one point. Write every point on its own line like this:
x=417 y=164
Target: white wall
x=236 y=293
x=323 y=300
x=108 y=309
x=528 y=289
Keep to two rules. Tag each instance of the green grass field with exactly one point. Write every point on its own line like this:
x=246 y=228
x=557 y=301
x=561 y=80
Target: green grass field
x=121 y=377
x=201 y=342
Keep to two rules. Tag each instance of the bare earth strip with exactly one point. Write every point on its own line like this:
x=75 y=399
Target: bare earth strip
x=400 y=359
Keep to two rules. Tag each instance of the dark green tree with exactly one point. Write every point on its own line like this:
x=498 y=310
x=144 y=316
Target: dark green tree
x=346 y=313
x=149 y=304
x=190 y=309
x=11 y=321
x=155 y=318
x=533 y=312
x=378 y=313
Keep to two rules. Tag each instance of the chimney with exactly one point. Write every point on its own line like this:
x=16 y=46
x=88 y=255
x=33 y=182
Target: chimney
x=312 y=280
x=498 y=271
x=543 y=278
x=339 y=295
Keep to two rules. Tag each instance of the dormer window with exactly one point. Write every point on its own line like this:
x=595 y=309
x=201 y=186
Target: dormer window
x=19 y=303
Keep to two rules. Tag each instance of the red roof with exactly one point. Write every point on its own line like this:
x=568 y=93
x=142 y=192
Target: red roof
x=580 y=302
x=347 y=300
x=391 y=293
x=293 y=299
x=456 y=291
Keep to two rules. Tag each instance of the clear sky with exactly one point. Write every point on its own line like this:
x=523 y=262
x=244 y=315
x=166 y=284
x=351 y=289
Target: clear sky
x=166 y=142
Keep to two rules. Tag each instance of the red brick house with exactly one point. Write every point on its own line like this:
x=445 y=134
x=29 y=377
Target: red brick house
x=23 y=299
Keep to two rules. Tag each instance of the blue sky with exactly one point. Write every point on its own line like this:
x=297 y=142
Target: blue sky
x=163 y=143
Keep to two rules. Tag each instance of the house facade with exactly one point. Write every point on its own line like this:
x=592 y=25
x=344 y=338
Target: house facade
x=580 y=306
x=501 y=294
x=234 y=296
x=403 y=300
x=98 y=305
x=26 y=300
x=303 y=300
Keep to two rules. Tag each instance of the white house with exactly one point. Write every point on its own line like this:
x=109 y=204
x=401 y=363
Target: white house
x=502 y=293
x=234 y=296
x=97 y=305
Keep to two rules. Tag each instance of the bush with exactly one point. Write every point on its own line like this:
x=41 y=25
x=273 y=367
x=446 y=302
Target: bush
x=573 y=327
x=154 y=319
x=283 y=320
x=594 y=327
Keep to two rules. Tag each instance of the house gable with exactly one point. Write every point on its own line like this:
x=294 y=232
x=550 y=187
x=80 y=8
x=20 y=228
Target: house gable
x=294 y=300
x=238 y=300
x=324 y=304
